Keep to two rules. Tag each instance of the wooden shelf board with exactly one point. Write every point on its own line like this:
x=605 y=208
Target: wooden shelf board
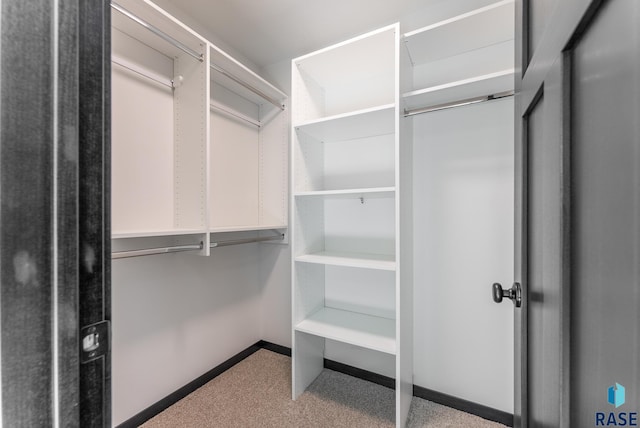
x=379 y=120
x=367 y=331
x=357 y=260
x=473 y=30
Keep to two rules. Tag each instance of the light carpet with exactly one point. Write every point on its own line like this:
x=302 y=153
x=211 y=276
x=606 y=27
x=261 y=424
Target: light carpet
x=257 y=393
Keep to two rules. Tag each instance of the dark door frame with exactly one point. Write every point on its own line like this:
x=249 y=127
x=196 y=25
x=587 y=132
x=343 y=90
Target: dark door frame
x=54 y=211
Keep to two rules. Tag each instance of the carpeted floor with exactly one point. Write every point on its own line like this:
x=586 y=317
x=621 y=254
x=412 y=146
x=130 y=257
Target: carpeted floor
x=257 y=393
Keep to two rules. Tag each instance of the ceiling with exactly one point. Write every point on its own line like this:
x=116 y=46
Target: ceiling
x=270 y=31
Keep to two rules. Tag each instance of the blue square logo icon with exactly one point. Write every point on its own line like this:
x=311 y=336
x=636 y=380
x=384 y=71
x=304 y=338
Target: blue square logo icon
x=616 y=395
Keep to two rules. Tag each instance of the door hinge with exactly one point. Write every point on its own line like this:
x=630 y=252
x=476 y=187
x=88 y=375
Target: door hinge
x=95 y=341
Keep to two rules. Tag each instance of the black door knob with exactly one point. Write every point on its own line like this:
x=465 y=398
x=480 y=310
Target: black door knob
x=514 y=293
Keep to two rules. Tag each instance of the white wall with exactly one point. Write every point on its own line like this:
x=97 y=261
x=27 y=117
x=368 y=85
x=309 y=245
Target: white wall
x=463 y=242
x=177 y=316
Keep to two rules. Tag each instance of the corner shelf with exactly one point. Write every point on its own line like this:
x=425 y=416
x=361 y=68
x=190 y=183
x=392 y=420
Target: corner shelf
x=356 y=260
x=348 y=126
x=358 y=329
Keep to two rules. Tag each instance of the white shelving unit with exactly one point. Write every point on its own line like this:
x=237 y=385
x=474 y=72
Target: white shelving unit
x=351 y=175
x=464 y=57
x=199 y=140
x=248 y=184
x=159 y=128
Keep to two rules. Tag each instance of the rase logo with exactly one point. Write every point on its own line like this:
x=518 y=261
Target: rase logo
x=616 y=397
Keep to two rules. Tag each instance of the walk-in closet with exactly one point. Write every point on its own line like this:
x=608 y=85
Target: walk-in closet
x=346 y=207
x=329 y=214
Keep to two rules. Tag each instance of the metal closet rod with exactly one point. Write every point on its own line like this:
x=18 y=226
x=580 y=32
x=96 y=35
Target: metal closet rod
x=193 y=247
x=460 y=103
x=247 y=86
x=231 y=112
x=278 y=237
x=186 y=49
x=191 y=52
x=154 y=251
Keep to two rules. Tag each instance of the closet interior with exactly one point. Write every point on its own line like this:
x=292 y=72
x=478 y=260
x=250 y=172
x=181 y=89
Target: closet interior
x=206 y=153
x=197 y=138
x=474 y=65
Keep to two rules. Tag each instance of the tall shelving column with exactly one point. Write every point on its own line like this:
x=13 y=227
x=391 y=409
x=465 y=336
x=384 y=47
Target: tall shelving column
x=351 y=269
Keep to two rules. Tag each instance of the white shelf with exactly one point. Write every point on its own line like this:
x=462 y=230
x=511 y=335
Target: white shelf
x=157 y=17
x=473 y=30
x=477 y=86
x=367 y=331
x=226 y=62
x=337 y=64
x=357 y=260
x=373 y=192
x=148 y=234
x=246 y=228
x=369 y=122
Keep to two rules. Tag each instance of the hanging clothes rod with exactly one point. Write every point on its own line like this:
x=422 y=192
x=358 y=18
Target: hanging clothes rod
x=468 y=101
x=165 y=81
x=186 y=49
x=278 y=237
x=247 y=86
x=195 y=247
x=231 y=112
x=154 y=251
